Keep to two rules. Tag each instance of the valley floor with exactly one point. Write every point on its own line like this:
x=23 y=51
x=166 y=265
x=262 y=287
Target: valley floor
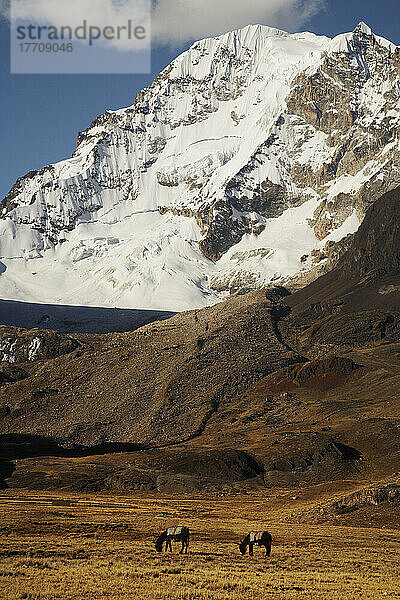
x=55 y=546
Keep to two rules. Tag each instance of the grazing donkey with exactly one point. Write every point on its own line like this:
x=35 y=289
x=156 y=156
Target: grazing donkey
x=173 y=534
x=256 y=538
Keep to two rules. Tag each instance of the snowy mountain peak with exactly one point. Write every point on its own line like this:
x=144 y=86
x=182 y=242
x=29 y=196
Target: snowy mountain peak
x=245 y=163
x=257 y=29
x=363 y=28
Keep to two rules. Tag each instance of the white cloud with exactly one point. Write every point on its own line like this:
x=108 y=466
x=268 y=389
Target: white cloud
x=72 y=12
x=173 y=22
x=177 y=21
x=4 y=9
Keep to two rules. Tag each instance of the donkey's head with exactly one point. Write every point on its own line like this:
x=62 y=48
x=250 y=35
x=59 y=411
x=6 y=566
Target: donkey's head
x=243 y=546
x=159 y=543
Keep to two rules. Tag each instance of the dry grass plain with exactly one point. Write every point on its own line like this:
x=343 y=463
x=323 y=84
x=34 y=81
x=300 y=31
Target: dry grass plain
x=74 y=547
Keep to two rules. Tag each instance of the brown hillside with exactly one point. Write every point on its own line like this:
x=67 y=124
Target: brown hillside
x=156 y=386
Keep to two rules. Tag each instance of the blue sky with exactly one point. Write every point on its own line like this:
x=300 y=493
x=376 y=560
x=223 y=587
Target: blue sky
x=42 y=114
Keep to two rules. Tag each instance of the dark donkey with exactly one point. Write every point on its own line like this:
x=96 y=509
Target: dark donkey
x=256 y=538
x=173 y=534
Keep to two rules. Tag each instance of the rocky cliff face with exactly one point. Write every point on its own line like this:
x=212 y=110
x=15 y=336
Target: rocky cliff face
x=357 y=303
x=353 y=99
x=248 y=158
x=375 y=248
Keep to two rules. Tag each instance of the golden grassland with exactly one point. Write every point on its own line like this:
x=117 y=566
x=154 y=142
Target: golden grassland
x=55 y=546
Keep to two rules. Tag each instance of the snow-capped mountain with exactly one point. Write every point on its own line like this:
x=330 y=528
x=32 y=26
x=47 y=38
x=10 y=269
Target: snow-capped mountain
x=244 y=163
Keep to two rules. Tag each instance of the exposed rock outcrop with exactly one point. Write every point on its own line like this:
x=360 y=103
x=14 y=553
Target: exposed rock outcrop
x=372 y=496
x=19 y=345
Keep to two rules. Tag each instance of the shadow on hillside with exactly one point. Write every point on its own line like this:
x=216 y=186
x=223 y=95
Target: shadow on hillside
x=76 y=319
x=15 y=446
x=7 y=468
x=21 y=445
